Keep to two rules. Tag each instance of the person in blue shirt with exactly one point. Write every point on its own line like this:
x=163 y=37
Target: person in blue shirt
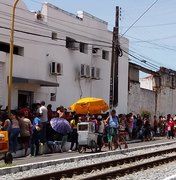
x=112 y=122
x=35 y=139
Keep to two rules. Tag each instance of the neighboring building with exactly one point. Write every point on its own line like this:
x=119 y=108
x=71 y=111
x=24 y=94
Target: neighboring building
x=146 y=82
x=155 y=93
x=59 y=57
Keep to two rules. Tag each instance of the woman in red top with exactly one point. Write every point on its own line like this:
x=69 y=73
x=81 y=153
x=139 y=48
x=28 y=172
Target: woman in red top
x=170 y=128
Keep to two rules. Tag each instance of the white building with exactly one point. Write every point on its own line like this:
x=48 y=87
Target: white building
x=146 y=82
x=59 y=57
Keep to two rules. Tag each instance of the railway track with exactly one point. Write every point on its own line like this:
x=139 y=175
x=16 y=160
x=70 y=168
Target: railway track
x=113 y=173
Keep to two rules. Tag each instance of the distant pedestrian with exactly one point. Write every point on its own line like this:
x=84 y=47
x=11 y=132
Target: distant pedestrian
x=35 y=139
x=170 y=126
x=112 y=124
x=14 y=131
x=50 y=112
x=25 y=131
x=74 y=133
x=100 y=130
x=44 y=119
x=155 y=125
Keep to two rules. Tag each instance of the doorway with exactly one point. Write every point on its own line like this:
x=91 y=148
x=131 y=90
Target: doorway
x=25 y=98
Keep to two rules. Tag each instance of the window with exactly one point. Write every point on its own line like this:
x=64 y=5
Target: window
x=54 y=36
x=72 y=44
x=53 y=97
x=83 y=48
x=83 y=127
x=105 y=55
x=5 y=47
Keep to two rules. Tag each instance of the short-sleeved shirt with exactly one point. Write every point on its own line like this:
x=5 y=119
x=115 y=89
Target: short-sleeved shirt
x=44 y=111
x=15 y=123
x=25 y=126
x=113 y=122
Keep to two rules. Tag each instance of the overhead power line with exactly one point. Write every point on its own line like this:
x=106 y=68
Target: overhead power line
x=151 y=65
x=45 y=36
x=140 y=17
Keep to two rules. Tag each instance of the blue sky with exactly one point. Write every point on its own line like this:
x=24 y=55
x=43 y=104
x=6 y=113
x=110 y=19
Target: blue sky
x=152 y=38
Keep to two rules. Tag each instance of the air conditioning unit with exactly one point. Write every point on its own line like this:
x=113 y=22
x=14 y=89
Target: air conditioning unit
x=97 y=73
x=96 y=51
x=87 y=71
x=83 y=70
x=93 y=73
x=56 y=68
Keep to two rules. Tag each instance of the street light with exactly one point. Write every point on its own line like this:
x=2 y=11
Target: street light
x=11 y=57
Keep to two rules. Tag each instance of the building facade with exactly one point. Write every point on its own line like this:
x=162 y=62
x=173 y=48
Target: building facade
x=59 y=57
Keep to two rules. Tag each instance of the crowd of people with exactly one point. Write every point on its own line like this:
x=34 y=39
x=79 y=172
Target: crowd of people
x=32 y=128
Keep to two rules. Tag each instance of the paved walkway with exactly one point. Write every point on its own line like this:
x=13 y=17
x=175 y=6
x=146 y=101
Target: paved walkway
x=54 y=156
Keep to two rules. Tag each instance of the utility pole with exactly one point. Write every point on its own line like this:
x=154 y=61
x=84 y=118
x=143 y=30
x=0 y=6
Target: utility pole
x=114 y=84
x=11 y=57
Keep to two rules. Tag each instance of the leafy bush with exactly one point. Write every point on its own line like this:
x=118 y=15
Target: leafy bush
x=145 y=114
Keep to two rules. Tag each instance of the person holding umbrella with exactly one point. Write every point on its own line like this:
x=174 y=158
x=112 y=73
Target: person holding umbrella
x=61 y=125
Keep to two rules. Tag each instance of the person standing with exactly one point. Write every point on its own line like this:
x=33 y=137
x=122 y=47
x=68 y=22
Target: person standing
x=155 y=125
x=25 y=131
x=50 y=112
x=112 y=122
x=74 y=133
x=35 y=139
x=44 y=119
x=60 y=113
x=14 y=131
x=100 y=130
x=130 y=125
x=170 y=127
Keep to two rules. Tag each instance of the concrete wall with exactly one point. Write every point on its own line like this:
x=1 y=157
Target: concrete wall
x=140 y=99
x=161 y=102
x=166 y=101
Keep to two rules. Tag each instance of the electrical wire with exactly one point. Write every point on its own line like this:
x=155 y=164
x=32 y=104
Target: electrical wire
x=164 y=47
x=141 y=60
x=140 y=17
x=68 y=32
x=45 y=36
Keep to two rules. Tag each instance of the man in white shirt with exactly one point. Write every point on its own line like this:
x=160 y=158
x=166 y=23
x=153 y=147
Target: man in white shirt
x=43 y=111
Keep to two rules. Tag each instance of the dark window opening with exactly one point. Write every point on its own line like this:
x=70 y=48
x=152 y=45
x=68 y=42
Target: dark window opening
x=105 y=55
x=83 y=48
x=5 y=47
x=53 y=97
x=54 y=36
x=25 y=98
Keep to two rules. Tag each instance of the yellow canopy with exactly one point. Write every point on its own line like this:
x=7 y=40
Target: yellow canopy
x=89 y=105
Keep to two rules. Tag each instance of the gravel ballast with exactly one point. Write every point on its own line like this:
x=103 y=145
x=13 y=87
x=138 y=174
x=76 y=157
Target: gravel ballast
x=162 y=172
x=83 y=161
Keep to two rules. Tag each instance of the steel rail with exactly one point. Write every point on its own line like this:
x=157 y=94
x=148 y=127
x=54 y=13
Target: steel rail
x=69 y=173
x=127 y=170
